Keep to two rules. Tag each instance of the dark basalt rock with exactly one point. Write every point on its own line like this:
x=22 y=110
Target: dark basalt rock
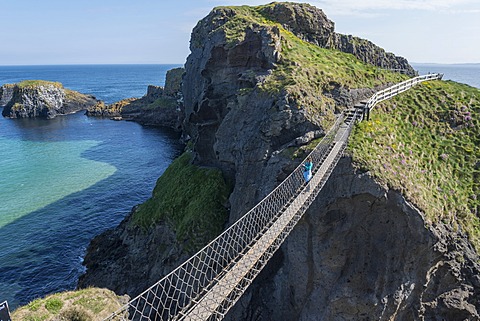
x=160 y=106
x=312 y=25
x=362 y=252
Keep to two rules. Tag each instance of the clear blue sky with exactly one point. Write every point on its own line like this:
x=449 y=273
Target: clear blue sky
x=158 y=31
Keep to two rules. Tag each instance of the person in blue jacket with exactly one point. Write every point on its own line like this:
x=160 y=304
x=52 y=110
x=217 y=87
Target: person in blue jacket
x=307 y=170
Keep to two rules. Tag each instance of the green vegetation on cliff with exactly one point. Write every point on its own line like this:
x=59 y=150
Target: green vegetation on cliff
x=191 y=199
x=423 y=143
x=426 y=143
x=159 y=103
x=37 y=83
x=306 y=72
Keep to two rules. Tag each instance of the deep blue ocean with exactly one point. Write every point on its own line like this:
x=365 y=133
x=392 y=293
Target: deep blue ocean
x=65 y=180
x=464 y=73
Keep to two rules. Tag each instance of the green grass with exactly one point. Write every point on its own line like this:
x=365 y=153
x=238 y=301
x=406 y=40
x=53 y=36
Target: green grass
x=94 y=304
x=73 y=95
x=34 y=305
x=302 y=151
x=54 y=305
x=162 y=102
x=85 y=304
x=189 y=198
x=426 y=144
x=36 y=83
x=305 y=71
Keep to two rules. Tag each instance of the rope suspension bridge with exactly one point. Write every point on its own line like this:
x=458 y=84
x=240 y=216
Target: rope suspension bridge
x=208 y=284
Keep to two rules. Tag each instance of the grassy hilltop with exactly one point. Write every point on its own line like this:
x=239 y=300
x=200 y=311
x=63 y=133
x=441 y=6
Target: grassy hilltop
x=426 y=143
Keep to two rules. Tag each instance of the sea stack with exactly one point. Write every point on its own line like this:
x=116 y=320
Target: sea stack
x=39 y=98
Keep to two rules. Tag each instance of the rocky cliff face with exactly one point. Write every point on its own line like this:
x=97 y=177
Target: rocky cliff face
x=230 y=131
x=42 y=99
x=233 y=123
x=370 y=53
x=361 y=252
x=6 y=94
x=311 y=24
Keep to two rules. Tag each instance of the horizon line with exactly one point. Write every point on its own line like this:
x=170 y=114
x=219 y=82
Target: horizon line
x=90 y=64
x=183 y=64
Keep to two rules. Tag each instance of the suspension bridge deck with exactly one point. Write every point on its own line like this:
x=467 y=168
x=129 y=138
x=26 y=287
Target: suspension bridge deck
x=209 y=303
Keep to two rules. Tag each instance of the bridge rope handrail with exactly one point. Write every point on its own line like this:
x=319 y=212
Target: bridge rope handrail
x=224 y=249
x=175 y=296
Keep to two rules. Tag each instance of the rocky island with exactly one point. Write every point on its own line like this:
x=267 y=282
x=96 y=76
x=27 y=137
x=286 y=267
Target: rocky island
x=395 y=232
x=39 y=98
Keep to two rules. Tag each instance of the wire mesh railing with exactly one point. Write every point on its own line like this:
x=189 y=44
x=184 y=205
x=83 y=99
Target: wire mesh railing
x=177 y=291
x=209 y=283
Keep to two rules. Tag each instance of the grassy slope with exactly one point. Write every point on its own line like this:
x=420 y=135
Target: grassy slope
x=426 y=144
x=36 y=83
x=305 y=71
x=191 y=199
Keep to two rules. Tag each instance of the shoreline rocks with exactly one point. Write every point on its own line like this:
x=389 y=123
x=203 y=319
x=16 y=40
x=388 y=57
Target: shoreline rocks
x=160 y=106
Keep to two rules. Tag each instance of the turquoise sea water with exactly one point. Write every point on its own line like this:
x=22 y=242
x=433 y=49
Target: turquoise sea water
x=65 y=180
x=33 y=187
